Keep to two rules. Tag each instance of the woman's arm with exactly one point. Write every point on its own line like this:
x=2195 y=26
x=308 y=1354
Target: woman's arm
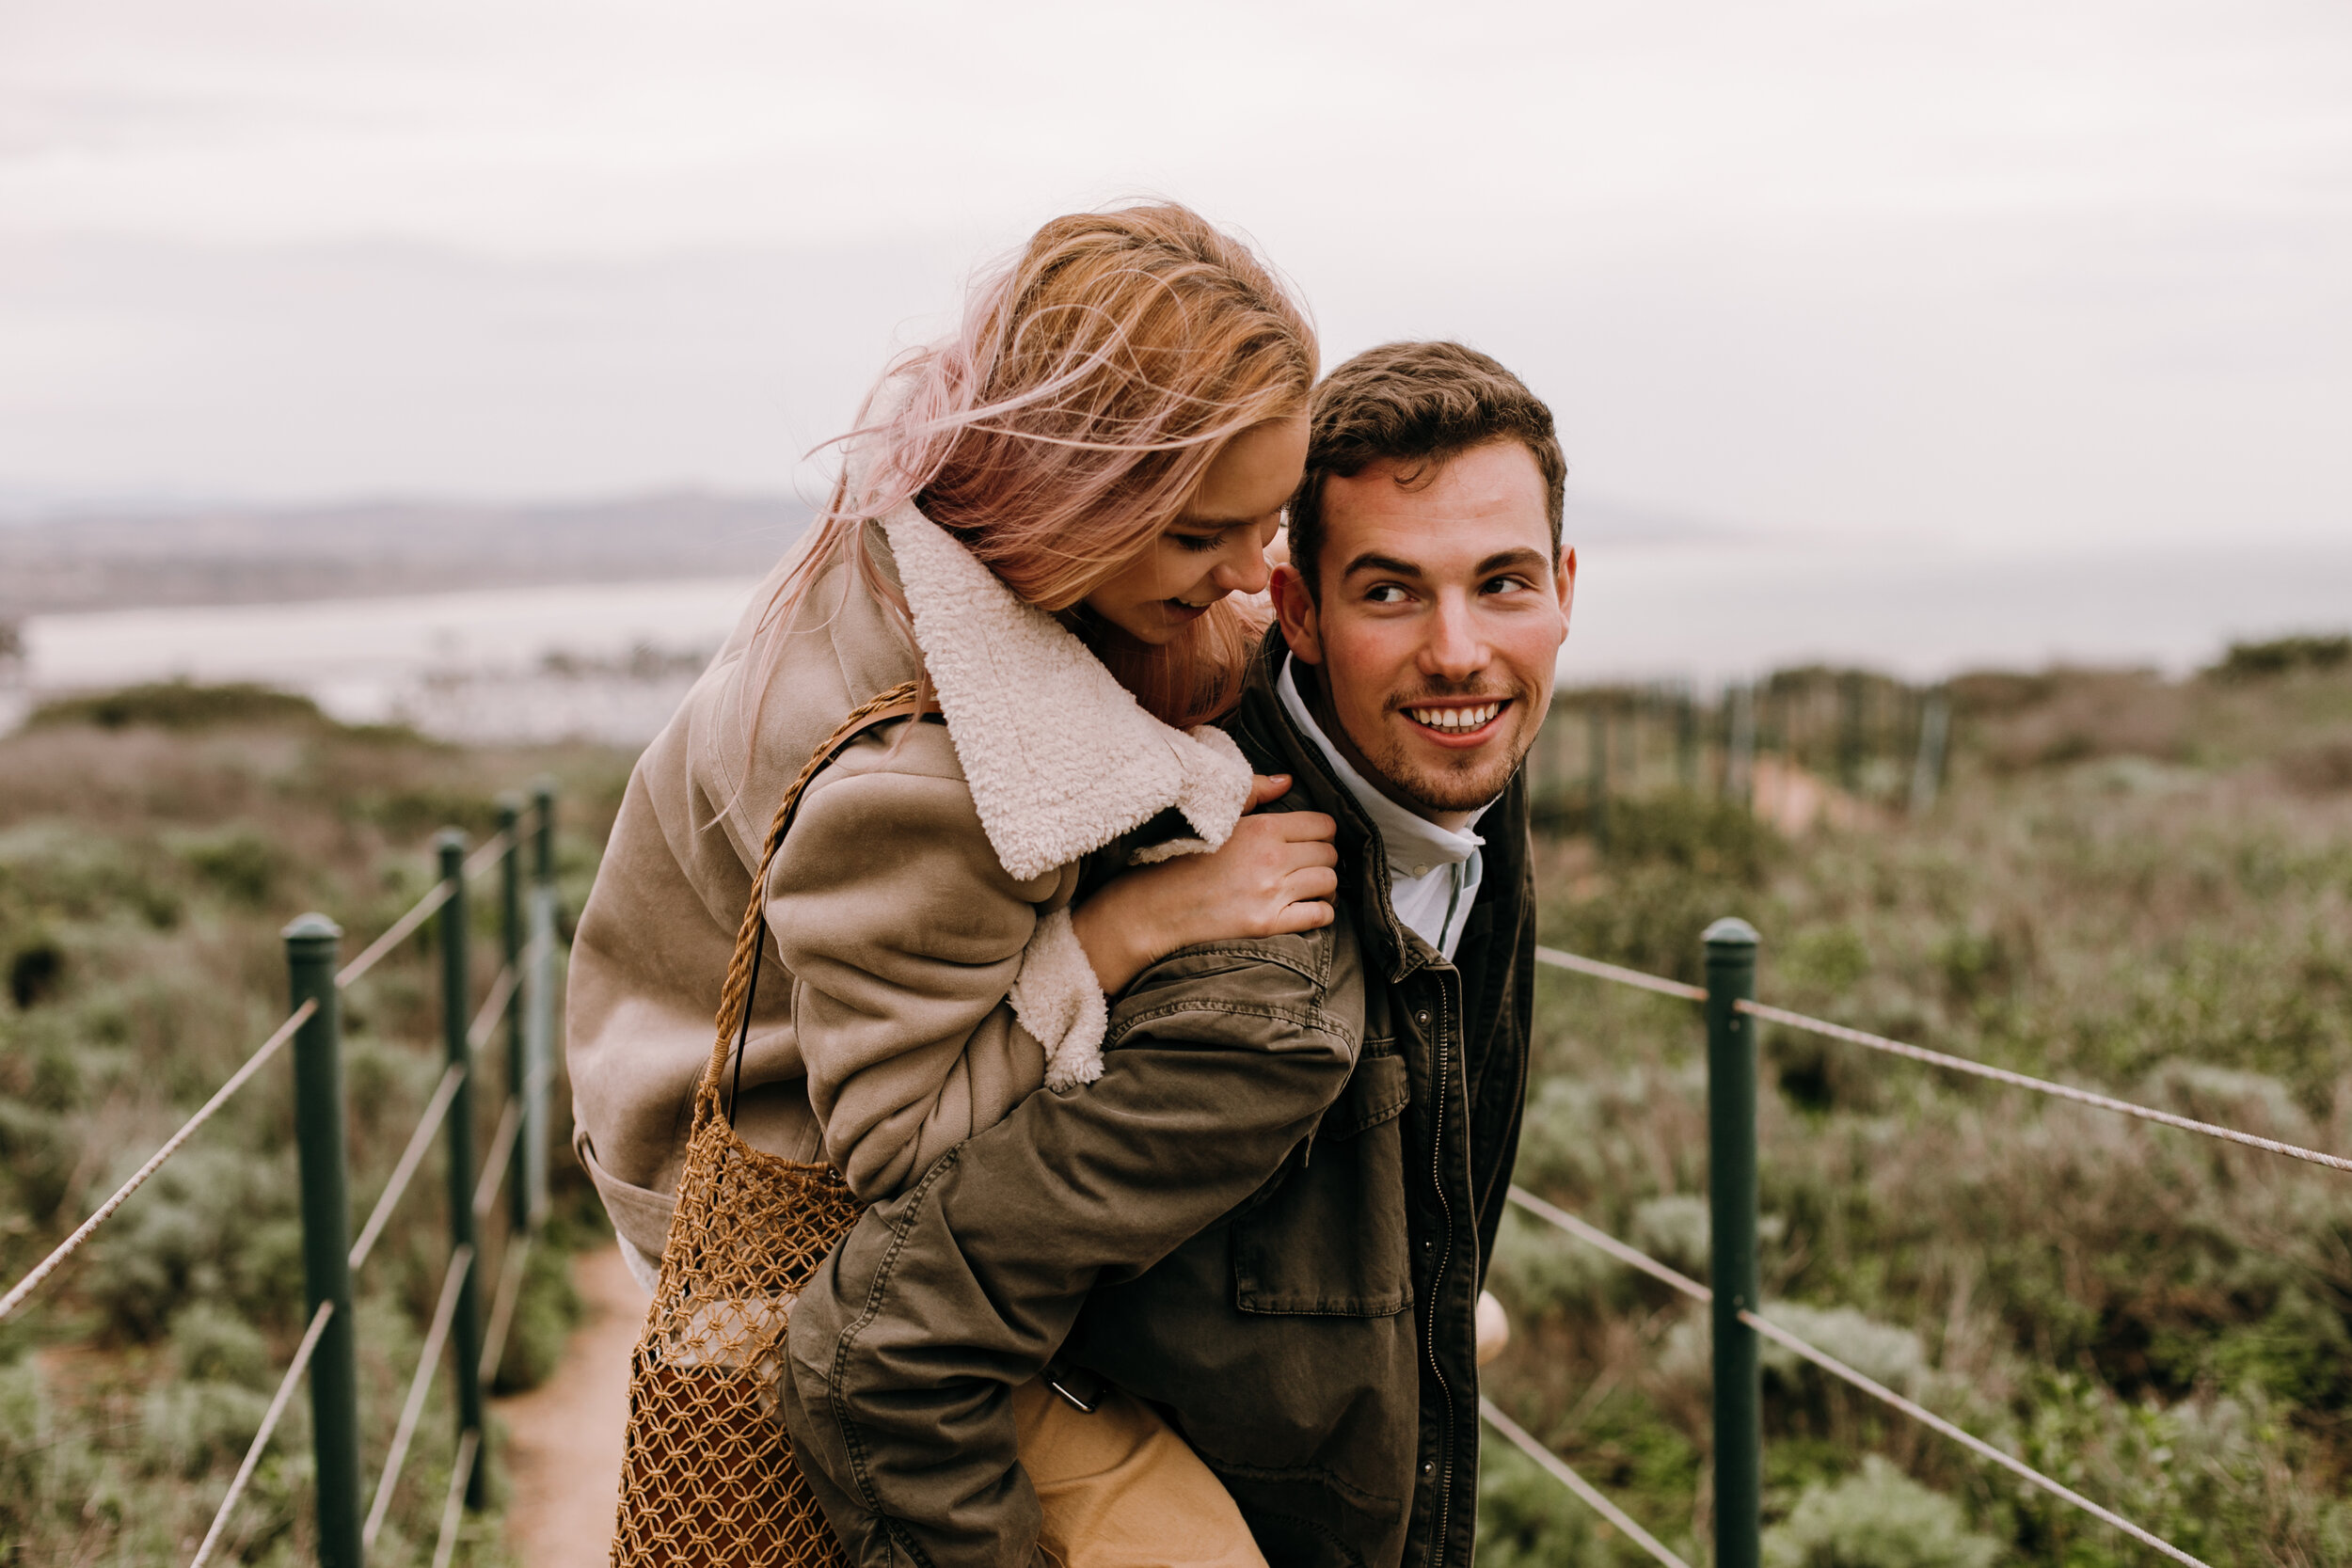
x=903 y=936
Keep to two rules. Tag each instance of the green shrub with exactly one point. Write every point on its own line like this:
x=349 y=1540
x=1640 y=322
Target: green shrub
x=181 y=705
x=187 y=1428
x=1879 y=1518
x=213 y=1344
x=2278 y=657
x=1526 y=1519
x=239 y=863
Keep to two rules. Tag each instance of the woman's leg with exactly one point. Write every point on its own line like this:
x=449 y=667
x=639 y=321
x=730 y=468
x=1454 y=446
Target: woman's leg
x=1121 y=1490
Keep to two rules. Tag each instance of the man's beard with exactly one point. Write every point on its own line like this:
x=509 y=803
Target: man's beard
x=1466 y=782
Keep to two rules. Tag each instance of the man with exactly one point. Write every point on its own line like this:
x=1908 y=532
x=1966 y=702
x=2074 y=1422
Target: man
x=1270 y=1216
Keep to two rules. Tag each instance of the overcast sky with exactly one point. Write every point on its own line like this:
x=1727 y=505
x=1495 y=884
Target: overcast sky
x=2013 y=270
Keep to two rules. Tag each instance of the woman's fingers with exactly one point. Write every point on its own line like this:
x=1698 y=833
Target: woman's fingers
x=1305 y=916
x=1298 y=825
x=1310 y=881
x=1267 y=787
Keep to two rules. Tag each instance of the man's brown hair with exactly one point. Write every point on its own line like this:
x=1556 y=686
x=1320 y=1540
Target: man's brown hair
x=1419 y=405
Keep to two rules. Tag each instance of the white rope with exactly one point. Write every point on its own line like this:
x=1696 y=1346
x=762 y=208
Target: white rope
x=1635 y=978
x=444 y=1312
x=269 y=1425
x=400 y=932
x=501 y=991
x=502 y=1310
x=1936 y=1058
x=2040 y=1085
x=486 y=1192
x=1773 y=1332
x=1576 y=1484
x=105 y=1211
x=453 y=1506
x=1609 y=1245
x=493 y=850
x=1877 y=1390
x=419 y=1141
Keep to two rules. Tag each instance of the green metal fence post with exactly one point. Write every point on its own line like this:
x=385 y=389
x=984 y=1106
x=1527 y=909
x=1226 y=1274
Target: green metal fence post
x=1740 y=746
x=456 y=992
x=1597 y=767
x=1686 y=738
x=1731 y=1212
x=1927 y=772
x=540 y=1026
x=518 y=1064
x=312 y=951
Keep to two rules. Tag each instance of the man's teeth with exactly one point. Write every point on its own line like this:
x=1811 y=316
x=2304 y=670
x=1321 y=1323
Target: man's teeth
x=1455 y=718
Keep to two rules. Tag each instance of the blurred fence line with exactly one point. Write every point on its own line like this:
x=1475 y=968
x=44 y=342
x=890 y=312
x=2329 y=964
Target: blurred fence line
x=1872 y=738
x=520 y=1004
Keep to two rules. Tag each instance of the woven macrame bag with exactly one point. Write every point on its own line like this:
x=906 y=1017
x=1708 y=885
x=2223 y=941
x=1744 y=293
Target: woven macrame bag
x=708 y=1479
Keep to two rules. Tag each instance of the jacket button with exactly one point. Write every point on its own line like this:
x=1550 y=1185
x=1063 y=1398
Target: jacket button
x=1428 y=1468
x=1421 y=1018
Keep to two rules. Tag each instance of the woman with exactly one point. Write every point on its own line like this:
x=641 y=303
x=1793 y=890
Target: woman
x=1045 y=521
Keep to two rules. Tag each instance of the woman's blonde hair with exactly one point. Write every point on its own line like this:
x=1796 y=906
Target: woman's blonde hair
x=1069 y=419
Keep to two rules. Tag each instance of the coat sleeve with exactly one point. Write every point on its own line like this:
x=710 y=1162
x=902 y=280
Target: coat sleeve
x=904 y=936
x=905 y=1347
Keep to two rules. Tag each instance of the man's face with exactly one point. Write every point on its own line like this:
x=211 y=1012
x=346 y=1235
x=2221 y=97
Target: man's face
x=1440 y=619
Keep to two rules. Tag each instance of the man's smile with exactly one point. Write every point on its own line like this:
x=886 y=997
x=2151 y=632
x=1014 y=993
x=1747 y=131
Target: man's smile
x=1458 y=722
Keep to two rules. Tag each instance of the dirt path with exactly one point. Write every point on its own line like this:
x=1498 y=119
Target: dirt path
x=563 y=1438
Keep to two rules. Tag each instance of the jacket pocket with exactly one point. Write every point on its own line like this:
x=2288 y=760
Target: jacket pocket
x=640 y=1215
x=1332 y=1239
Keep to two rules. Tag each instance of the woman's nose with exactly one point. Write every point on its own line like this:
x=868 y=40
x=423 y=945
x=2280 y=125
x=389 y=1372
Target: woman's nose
x=1242 y=567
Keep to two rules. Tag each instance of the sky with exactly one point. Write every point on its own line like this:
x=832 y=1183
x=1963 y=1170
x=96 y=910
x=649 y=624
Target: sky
x=2020 y=272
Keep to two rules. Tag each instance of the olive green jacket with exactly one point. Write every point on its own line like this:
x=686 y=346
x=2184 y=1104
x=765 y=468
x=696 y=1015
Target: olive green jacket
x=1269 y=1217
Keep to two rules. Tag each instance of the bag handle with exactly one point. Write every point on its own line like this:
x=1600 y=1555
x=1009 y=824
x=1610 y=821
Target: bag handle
x=735 y=1001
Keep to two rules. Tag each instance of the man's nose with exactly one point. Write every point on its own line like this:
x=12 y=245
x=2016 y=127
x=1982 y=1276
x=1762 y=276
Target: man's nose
x=1454 y=650
x=1242 y=567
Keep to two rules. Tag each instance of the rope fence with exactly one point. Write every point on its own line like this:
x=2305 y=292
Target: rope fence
x=221 y=1096
x=1566 y=1477
x=269 y=1425
x=1731 y=1010
x=2038 y=1086
x=1554 y=1215
x=1663 y=987
x=520 y=996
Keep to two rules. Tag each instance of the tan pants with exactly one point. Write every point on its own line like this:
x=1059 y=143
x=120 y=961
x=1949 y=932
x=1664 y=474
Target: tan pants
x=1121 y=1490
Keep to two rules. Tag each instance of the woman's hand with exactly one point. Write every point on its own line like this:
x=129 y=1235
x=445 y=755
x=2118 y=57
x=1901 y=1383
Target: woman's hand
x=1275 y=875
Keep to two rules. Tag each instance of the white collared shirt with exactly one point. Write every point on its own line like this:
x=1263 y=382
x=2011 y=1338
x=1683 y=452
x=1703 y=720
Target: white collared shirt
x=1433 y=872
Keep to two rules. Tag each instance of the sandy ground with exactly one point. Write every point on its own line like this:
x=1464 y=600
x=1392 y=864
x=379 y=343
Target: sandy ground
x=563 y=1438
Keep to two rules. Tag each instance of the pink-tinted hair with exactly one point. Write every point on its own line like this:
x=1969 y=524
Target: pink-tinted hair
x=1067 y=422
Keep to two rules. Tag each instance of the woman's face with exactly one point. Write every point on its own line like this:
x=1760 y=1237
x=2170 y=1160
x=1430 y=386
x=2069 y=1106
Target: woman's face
x=1217 y=546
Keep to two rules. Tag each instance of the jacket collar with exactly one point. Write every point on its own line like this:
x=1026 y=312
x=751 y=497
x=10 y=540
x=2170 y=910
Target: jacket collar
x=1061 y=759
x=1388 y=943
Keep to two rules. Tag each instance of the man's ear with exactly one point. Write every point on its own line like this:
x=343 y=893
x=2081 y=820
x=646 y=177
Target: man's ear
x=1566 y=586
x=1296 y=609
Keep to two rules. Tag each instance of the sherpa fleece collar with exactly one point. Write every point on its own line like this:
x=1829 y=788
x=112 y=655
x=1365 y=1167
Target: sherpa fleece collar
x=1060 y=757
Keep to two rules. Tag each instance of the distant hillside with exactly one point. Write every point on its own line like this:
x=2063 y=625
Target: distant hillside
x=254 y=555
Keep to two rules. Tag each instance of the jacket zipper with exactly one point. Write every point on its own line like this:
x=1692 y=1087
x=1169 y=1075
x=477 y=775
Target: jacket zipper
x=1445 y=1261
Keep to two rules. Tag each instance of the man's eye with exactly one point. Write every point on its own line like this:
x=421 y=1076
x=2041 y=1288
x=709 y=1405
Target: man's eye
x=1200 y=543
x=1506 y=585
x=1386 y=592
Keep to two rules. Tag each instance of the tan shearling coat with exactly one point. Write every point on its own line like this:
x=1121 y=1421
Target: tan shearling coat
x=922 y=976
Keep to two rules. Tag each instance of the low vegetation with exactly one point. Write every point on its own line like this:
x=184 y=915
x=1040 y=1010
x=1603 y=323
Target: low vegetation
x=2129 y=884
x=2132 y=883
x=151 y=844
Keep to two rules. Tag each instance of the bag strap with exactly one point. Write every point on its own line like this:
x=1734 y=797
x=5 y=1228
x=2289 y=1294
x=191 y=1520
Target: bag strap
x=735 y=1001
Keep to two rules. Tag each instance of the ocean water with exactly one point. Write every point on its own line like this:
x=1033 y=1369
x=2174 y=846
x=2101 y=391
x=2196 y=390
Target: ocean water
x=609 y=661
